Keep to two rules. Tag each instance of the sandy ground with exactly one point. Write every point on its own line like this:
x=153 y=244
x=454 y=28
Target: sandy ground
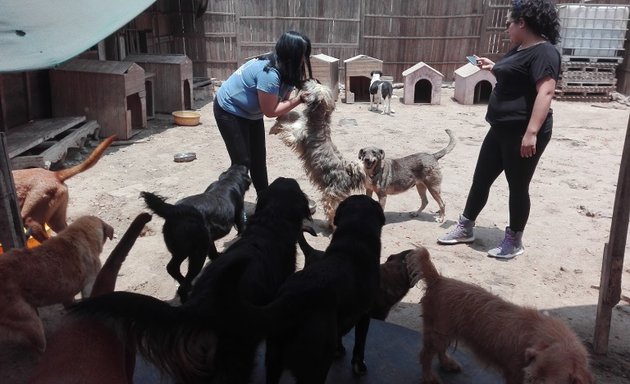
x=572 y=198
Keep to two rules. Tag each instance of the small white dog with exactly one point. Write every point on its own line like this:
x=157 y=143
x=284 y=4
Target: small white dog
x=380 y=92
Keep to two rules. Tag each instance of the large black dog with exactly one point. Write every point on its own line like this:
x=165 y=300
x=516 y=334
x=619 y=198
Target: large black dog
x=194 y=223
x=396 y=275
x=319 y=304
x=206 y=339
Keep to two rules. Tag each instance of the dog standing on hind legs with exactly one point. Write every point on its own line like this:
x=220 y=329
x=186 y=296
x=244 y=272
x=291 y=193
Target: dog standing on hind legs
x=381 y=91
x=527 y=347
x=308 y=133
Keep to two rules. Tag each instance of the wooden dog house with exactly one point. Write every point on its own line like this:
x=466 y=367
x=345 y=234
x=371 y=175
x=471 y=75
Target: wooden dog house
x=357 y=77
x=473 y=85
x=423 y=84
x=326 y=70
x=173 y=82
x=110 y=92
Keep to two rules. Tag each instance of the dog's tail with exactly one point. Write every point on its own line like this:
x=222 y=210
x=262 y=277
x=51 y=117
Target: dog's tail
x=311 y=254
x=451 y=144
x=106 y=278
x=65 y=174
x=420 y=266
x=166 y=210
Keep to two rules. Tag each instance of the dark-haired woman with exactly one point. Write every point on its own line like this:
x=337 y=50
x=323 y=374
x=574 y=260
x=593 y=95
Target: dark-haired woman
x=260 y=87
x=520 y=121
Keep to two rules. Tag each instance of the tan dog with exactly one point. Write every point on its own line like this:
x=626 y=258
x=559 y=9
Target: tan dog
x=393 y=176
x=525 y=345
x=308 y=133
x=93 y=350
x=43 y=196
x=49 y=274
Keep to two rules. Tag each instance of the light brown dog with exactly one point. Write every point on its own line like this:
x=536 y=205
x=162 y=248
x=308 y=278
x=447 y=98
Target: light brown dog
x=525 y=345
x=392 y=176
x=93 y=350
x=308 y=133
x=43 y=196
x=49 y=274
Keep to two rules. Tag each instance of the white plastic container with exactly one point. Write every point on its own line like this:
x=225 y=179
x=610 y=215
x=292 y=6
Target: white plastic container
x=592 y=30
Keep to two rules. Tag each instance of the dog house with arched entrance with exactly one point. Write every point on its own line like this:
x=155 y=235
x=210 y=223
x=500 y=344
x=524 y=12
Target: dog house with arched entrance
x=326 y=70
x=357 y=76
x=423 y=85
x=473 y=85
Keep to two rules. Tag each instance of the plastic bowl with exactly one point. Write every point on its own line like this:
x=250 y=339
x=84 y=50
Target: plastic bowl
x=187 y=118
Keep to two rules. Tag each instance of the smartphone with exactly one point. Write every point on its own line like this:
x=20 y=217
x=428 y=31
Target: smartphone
x=472 y=60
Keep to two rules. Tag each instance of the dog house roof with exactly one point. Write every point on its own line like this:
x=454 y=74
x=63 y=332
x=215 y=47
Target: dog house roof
x=324 y=57
x=419 y=66
x=467 y=70
x=362 y=58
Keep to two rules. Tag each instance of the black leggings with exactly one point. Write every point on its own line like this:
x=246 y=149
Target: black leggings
x=500 y=152
x=245 y=143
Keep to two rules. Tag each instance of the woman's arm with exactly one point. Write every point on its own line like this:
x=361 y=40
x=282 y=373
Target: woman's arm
x=270 y=106
x=546 y=88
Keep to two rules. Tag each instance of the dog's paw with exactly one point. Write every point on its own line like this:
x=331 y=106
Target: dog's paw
x=358 y=367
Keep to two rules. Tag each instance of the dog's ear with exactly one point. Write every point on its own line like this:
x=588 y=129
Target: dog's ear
x=361 y=153
x=532 y=352
x=381 y=153
x=108 y=231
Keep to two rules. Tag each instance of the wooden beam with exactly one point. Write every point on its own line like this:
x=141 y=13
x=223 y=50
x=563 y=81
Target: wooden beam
x=11 y=227
x=612 y=263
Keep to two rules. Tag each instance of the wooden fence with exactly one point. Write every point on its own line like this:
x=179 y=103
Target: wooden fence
x=401 y=33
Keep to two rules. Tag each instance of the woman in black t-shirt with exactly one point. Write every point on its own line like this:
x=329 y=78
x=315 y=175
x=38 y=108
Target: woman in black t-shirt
x=520 y=121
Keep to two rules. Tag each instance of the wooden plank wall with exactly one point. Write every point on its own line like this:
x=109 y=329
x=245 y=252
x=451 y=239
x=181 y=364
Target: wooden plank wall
x=400 y=32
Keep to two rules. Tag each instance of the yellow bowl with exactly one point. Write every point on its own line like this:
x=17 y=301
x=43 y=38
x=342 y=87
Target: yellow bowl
x=31 y=242
x=188 y=118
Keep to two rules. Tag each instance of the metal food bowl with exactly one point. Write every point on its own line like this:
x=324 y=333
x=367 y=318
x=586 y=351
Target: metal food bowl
x=184 y=157
x=187 y=118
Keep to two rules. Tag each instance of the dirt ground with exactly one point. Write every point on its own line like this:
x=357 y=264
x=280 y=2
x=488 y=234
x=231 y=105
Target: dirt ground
x=572 y=198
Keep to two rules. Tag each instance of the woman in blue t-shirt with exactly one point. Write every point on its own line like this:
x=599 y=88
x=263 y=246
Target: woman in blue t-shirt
x=261 y=87
x=520 y=121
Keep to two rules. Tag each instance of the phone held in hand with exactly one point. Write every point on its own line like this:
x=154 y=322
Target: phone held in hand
x=472 y=60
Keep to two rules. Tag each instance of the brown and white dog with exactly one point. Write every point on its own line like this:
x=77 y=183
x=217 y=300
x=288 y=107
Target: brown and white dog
x=52 y=273
x=93 y=350
x=308 y=133
x=523 y=344
x=43 y=196
x=392 y=176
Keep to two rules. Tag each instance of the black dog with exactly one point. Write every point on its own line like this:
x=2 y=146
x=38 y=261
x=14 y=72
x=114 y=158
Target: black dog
x=206 y=339
x=194 y=223
x=321 y=303
x=395 y=277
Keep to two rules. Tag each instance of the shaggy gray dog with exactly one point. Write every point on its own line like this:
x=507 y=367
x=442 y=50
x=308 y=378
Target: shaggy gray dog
x=307 y=132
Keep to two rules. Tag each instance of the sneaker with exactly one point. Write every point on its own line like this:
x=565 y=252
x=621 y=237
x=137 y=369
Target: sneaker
x=462 y=233
x=510 y=247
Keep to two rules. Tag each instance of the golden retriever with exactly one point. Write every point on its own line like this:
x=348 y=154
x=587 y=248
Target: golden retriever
x=525 y=345
x=52 y=273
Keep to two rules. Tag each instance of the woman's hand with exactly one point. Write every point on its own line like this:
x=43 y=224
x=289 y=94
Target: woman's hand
x=485 y=63
x=270 y=106
x=528 y=144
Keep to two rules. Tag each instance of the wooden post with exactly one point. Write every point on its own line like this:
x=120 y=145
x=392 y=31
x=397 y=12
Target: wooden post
x=612 y=264
x=11 y=228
